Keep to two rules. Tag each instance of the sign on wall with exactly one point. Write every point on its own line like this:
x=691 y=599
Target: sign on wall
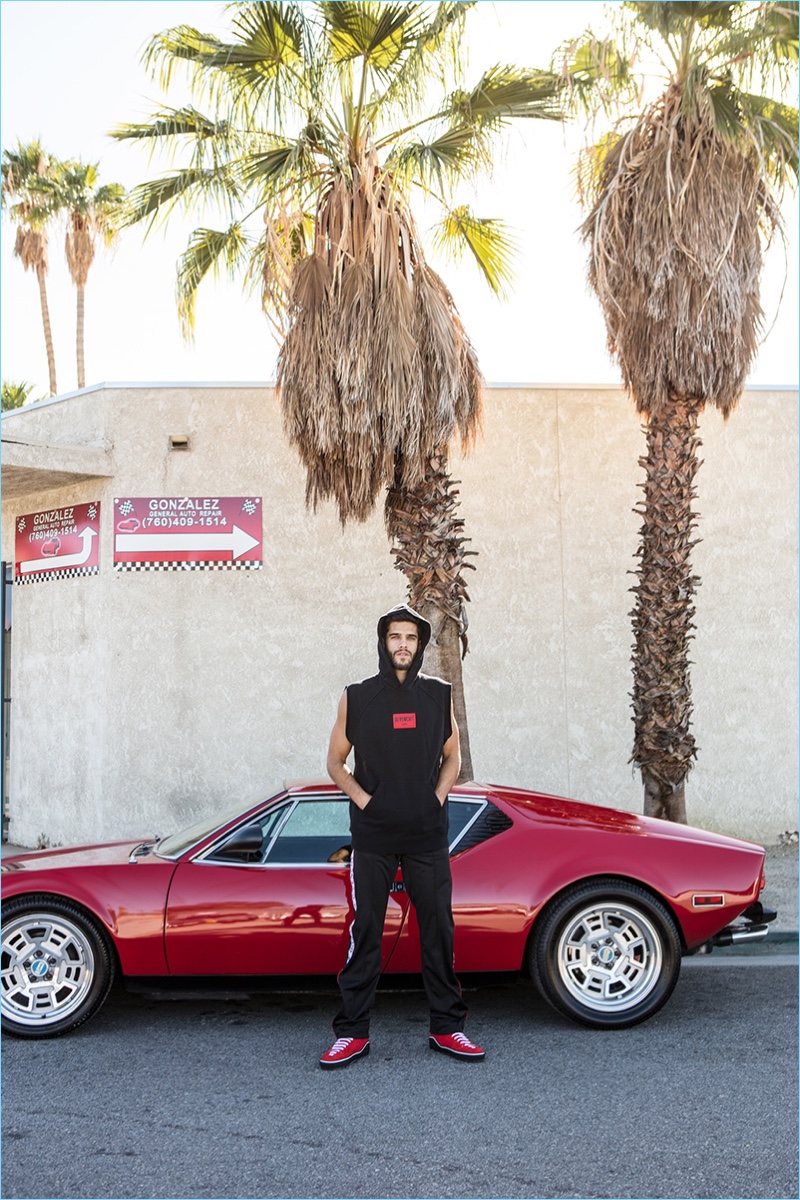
x=58 y=543
x=187 y=533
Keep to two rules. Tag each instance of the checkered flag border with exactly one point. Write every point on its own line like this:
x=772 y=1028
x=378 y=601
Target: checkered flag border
x=56 y=573
x=248 y=565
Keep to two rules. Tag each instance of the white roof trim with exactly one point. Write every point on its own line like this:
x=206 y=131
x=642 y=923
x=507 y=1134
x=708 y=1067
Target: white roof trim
x=201 y=385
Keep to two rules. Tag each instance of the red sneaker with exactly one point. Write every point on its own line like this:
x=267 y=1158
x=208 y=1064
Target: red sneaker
x=344 y=1051
x=456 y=1044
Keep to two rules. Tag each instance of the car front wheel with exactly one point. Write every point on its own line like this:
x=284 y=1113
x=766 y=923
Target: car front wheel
x=57 y=967
x=606 y=953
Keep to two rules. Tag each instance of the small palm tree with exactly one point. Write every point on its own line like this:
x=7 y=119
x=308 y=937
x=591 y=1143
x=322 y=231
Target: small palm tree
x=684 y=196
x=89 y=210
x=24 y=170
x=330 y=117
x=15 y=395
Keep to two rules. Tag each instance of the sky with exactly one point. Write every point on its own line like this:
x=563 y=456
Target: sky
x=71 y=70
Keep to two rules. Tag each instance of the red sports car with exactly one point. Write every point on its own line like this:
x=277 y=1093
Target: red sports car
x=597 y=905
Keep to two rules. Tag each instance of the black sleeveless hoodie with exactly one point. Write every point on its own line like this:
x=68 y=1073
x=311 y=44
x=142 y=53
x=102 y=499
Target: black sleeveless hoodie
x=397 y=731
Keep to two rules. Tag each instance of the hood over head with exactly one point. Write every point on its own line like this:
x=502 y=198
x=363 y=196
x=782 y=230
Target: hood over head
x=402 y=612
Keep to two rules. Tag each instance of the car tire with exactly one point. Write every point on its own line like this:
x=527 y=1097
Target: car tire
x=57 y=966
x=605 y=953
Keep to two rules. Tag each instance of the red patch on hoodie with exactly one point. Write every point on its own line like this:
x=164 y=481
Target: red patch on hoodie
x=405 y=720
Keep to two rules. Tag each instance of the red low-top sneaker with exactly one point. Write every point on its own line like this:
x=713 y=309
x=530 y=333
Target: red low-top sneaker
x=457 y=1044
x=344 y=1051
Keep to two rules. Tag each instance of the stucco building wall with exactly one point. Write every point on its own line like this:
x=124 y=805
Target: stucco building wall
x=142 y=700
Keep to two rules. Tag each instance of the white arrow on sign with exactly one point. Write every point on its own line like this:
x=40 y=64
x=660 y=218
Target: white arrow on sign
x=63 y=560
x=237 y=541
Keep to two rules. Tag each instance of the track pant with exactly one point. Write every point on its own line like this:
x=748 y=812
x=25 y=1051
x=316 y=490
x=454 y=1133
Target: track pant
x=429 y=886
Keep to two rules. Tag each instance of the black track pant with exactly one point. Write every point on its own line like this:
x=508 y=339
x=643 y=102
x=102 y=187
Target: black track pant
x=429 y=886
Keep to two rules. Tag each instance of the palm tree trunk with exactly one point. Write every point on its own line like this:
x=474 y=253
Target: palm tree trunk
x=429 y=550
x=48 y=332
x=443 y=658
x=79 y=338
x=664 y=747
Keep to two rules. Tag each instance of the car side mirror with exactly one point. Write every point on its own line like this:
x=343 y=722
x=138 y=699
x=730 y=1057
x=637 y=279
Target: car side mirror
x=248 y=840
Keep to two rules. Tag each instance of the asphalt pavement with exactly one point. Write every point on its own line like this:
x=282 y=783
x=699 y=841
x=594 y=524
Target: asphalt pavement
x=224 y=1098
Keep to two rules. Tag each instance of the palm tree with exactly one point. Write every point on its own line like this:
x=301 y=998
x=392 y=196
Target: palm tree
x=90 y=210
x=24 y=170
x=15 y=395
x=683 y=197
x=329 y=118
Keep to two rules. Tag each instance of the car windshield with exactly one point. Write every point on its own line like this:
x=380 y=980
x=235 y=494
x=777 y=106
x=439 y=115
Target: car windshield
x=176 y=843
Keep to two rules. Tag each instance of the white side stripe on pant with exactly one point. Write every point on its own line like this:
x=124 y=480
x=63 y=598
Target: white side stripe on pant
x=351 y=947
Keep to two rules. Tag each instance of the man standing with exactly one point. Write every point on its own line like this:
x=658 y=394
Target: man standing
x=407 y=758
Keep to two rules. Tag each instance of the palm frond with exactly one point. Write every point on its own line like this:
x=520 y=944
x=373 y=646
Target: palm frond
x=171 y=123
x=379 y=34
x=670 y=19
x=780 y=29
x=264 y=67
x=287 y=238
x=23 y=165
x=273 y=166
x=488 y=241
x=506 y=93
x=765 y=48
x=724 y=100
x=435 y=54
x=774 y=127
x=156 y=198
x=440 y=163
x=594 y=74
x=593 y=167
x=209 y=251
x=284 y=164
x=273 y=64
x=270 y=36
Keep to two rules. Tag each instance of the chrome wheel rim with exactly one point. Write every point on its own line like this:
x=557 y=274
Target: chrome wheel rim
x=609 y=957
x=47 y=969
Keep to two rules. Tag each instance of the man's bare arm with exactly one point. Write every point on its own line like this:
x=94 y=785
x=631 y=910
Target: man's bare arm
x=451 y=762
x=338 y=750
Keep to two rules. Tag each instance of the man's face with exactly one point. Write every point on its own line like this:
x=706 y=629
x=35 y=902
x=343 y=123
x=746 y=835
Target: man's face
x=402 y=644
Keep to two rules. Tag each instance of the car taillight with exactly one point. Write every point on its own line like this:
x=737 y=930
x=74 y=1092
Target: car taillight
x=763 y=882
x=715 y=900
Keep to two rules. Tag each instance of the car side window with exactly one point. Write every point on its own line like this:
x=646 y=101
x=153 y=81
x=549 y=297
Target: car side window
x=317 y=831
x=269 y=822
x=460 y=814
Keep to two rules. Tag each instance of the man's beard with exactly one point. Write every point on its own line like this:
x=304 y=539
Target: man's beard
x=401 y=664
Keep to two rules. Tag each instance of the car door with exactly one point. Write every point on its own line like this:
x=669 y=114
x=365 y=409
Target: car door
x=489 y=919
x=285 y=912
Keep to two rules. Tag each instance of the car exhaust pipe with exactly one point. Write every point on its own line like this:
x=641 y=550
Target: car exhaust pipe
x=735 y=935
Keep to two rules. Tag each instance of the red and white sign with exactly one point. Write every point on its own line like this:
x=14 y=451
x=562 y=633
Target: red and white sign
x=59 y=543
x=170 y=532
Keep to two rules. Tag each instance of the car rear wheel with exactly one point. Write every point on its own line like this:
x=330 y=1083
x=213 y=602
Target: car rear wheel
x=57 y=967
x=606 y=953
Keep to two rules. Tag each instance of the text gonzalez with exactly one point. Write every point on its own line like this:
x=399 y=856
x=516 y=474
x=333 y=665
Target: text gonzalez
x=57 y=514
x=187 y=504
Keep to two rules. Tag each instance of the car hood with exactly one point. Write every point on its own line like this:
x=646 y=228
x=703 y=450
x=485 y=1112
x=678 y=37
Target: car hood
x=101 y=854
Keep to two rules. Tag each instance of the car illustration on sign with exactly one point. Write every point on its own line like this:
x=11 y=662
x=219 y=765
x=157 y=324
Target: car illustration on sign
x=597 y=905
